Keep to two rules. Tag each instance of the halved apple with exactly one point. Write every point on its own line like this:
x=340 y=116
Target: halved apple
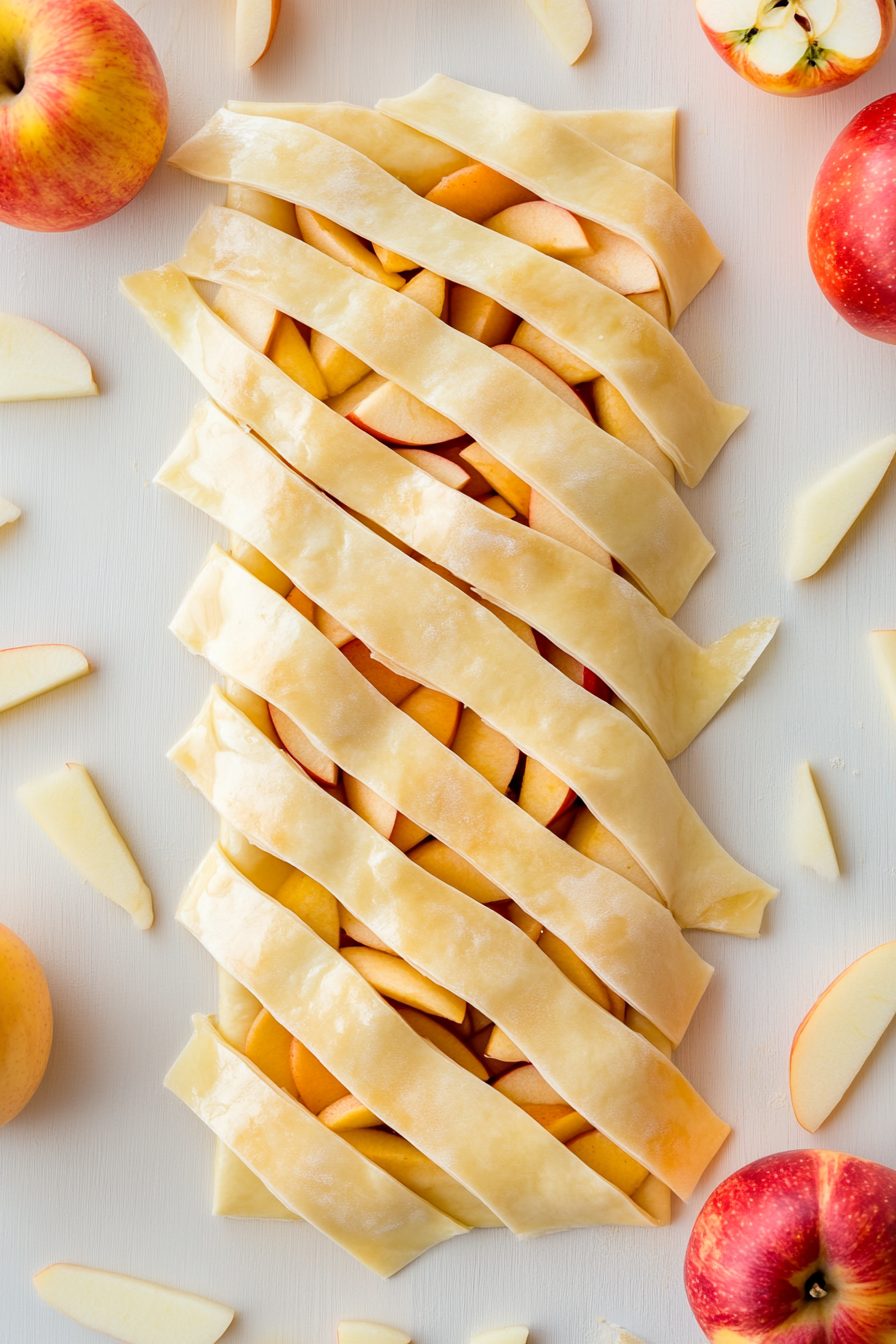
x=131 y=1310
x=478 y=192
x=395 y=979
x=563 y=362
x=289 y=352
x=839 y=1032
x=608 y=1160
x=536 y=368
x=251 y=317
x=812 y=841
x=827 y=511
x=268 y=1046
x=347 y=1113
x=444 y=469
x=546 y=228
x=37 y=364
x=314 y=905
x=542 y=794
x=8 y=512
x=343 y=245
x=34 y=669
x=453 y=868
x=480 y=317
x=545 y=517
x=68 y=808
x=256 y=23
x=302 y=749
x=508 y=485
x=485 y=749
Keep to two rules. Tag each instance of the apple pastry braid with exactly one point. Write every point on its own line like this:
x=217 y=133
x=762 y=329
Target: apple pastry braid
x=629 y=940
x=611 y=1075
x=644 y=137
x=461 y=1123
x=606 y=331
x=560 y=165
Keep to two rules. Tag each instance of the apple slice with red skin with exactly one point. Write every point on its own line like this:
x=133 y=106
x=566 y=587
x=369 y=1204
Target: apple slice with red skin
x=542 y=794
x=797 y=1247
x=33 y=669
x=256 y=23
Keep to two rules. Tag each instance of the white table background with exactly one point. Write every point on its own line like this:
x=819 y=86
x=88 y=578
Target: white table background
x=107 y=1169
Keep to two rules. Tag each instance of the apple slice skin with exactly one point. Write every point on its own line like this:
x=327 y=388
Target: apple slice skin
x=133 y=1311
x=33 y=669
x=769 y=1230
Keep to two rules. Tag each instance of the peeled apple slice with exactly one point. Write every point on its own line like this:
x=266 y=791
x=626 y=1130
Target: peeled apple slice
x=256 y=22
x=367 y=1332
x=839 y=1032
x=35 y=668
x=131 y=1310
x=36 y=364
x=68 y=808
x=567 y=24
x=608 y=1333
x=8 y=512
x=812 y=841
x=827 y=511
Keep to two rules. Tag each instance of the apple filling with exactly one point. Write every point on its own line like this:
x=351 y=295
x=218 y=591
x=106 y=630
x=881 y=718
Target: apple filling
x=780 y=37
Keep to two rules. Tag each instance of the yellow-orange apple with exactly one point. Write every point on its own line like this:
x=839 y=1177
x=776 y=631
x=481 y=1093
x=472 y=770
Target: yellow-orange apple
x=26 y=1024
x=797 y=1248
x=268 y=1046
x=798 y=47
x=83 y=112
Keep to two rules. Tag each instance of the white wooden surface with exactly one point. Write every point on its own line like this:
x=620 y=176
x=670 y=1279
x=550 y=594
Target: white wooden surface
x=106 y=1168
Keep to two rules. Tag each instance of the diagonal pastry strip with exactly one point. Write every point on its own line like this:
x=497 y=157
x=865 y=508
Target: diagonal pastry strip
x=308 y=1168
x=613 y=493
x=249 y=633
x=462 y=1124
x=592 y=477
x=560 y=165
x=638 y=356
x=418 y=621
x=645 y=137
x=614 y=1077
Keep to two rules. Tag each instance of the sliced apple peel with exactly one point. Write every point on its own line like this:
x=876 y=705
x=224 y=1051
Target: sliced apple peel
x=34 y=669
x=37 y=364
x=68 y=808
x=812 y=841
x=565 y=168
x=838 y=1034
x=599 y=326
x=827 y=511
x=131 y=1310
x=457 y=1121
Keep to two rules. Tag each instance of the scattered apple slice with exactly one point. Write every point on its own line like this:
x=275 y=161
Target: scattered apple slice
x=480 y=317
x=343 y=245
x=812 y=841
x=477 y=192
x=33 y=669
x=564 y=363
x=347 y=1113
x=256 y=23
x=316 y=1086
x=251 y=317
x=827 y=511
x=505 y=1334
x=268 y=1045
x=485 y=749
x=548 y=228
x=67 y=806
x=444 y=469
x=131 y=1310
x=839 y=1032
x=567 y=24
x=436 y=857
x=396 y=979
x=314 y=905
x=607 y=1333
x=608 y=1160
x=36 y=364
x=536 y=368
x=8 y=512
x=367 y=1332
x=302 y=749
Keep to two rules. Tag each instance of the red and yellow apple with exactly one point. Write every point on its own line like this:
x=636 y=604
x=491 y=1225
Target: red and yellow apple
x=797 y=1248
x=26 y=1024
x=83 y=112
x=852 y=233
x=798 y=47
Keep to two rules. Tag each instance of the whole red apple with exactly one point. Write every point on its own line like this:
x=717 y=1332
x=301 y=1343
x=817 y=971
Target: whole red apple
x=852 y=222
x=83 y=112
x=797 y=1248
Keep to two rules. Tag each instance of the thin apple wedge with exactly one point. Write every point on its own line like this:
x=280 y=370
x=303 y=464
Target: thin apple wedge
x=505 y=1334
x=477 y=192
x=33 y=669
x=839 y=1032
x=37 y=364
x=131 y=1310
x=567 y=24
x=256 y=23
x=812 y=841
x=347 y=1113
x=607 y=1333
x=314 y=905
x=396 y=979
x=548 y=228
x=368 y=1332
x=268 y=1046
x=68 y=808
x=827 y=511
x=8 y=512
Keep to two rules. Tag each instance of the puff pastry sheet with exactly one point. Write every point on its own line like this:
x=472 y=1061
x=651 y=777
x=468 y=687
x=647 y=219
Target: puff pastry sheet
x=462 y=1124
x=611 y=334
x=620 y=499
x=312 y=1171
x=418 y=621
x=608 y=1073
x=250 y=633
x=559 y=164
x=645 y=137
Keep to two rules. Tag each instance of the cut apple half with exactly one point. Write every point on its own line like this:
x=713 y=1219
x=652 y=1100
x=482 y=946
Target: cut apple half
x=827 y=511
x=131 y=1310
x=34 y=669
x=368 y=1332
x=812 y=843
x=256 y=23
x=839 y=1032
x=68 y=808
x=8 y=512
x=567 y=24
x=37 y=364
